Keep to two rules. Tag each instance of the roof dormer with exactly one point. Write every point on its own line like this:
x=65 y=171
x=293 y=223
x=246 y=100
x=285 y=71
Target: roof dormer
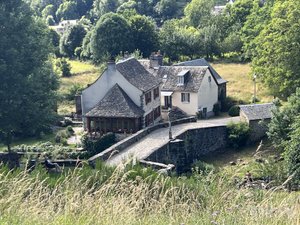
x=182 y=77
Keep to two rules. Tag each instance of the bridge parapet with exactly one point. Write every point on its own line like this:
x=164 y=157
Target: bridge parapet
x=127 y=142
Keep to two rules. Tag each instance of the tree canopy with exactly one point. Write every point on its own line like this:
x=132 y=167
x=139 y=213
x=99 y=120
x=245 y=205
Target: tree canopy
x=111 y=36
x=71 y=40
x=276 y=60
x=28 y=84
x=144 y=34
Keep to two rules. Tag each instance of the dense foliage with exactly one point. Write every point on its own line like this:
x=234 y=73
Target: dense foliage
x=237 y=134
x=276 y=60
x=284 y=130
x=28 y=83
x=95 y=146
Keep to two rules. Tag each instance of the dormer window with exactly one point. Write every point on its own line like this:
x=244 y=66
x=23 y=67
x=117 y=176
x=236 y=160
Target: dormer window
x=181 y=77
x=165 y=78
x=180 y=81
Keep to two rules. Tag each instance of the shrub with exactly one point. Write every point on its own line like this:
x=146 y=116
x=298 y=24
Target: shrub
x=65 y=67
x=96 y=146
x=202 y=167
x=254 y=99
x=237 y=134
x=216 y=109
x=63 y=135
x=234 y=111
x=72 y=91
x=70 y=130
x=231 y=101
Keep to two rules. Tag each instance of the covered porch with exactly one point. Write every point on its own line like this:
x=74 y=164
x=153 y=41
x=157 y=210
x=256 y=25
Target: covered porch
x=104 y=125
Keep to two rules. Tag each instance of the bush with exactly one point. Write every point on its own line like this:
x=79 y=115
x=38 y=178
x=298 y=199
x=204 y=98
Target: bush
x=216 y=109
x=234 y=111
x=52 y=151
x=202 y=167
x=70 y=130
x=63 y=135
x=231 y=101
x=254 y=99
x=64 y=66
x=94 y=147
x=72 y=91
x=237 y=134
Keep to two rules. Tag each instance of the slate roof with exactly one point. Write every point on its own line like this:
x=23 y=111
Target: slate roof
x=137 y=75
x=116 y=103
x=203 y=62
x=257 y=111
x=193 y=79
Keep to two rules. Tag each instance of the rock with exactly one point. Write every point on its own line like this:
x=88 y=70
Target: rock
x=232 y=163
x=259 y=160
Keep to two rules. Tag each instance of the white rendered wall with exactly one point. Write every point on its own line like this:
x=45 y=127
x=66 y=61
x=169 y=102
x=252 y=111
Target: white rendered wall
x=189 y=108
x=94 y=93
x=208 y=93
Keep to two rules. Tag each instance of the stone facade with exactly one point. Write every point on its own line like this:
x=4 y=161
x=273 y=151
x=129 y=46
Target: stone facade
x=258 y=129
x=191 y=146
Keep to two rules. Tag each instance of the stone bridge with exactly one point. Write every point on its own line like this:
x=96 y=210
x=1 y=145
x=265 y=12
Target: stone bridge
x=200 y=137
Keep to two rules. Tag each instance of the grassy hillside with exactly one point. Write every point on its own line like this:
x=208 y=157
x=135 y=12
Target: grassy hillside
x=83 y=73
x=240 y=84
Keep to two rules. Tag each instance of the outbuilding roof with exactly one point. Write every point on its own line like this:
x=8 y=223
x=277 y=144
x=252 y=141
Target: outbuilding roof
x=257 y=111
x=203 y=62
x=193 y=77
x=136 y=74
x=116 y=103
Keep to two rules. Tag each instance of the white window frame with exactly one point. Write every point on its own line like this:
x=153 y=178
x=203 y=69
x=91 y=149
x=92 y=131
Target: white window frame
x=180 y=80
x=185 y=97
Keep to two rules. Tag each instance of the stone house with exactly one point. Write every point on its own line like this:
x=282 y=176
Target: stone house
x=125 y=98
x=258 y=117
x=222 y=83
x=192 y=86
x=192 y=89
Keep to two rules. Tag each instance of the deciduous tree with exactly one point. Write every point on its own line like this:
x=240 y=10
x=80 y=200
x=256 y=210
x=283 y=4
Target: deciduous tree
x=277 y=56
x=111 y=36
x=28 y=84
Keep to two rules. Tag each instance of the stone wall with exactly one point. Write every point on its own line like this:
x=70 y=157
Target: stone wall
x=258 y=129
x=12 y=160
x=191 y=146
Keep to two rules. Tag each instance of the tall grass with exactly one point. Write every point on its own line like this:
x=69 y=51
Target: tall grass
x=137 y=196
x=240 y=84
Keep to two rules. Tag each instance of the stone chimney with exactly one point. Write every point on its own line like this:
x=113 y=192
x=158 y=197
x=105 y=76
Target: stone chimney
x=156 y=60
x=78 y=105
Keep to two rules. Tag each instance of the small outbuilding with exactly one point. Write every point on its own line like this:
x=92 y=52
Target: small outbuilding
x=258 y=117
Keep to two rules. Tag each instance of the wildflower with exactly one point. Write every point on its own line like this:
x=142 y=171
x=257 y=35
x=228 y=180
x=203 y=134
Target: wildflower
x=215 y=213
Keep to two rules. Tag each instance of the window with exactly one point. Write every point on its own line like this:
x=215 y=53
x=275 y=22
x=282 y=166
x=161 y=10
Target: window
x=185 y=97
x=157 y=112
x=148 y=97
x=156 y=93
x=180 y=80
x=149 y=118
x=209 y=79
